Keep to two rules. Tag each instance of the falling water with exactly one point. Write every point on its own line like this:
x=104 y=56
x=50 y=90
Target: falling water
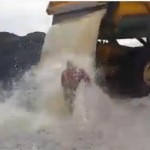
x=34 y=115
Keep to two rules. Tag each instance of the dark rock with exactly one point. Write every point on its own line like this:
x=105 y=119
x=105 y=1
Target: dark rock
x=18 y=54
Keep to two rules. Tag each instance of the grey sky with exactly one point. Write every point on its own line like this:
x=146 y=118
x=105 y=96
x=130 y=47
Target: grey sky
x=24 y=16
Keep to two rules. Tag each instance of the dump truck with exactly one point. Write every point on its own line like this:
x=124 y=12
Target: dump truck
x=96 y=28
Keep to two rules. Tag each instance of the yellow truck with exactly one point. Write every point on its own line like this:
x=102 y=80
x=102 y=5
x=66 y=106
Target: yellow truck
x=126 y=68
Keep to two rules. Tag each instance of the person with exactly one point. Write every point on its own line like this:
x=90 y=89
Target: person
x=70 y=80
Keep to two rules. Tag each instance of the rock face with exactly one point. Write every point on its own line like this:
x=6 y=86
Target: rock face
x=18 y=54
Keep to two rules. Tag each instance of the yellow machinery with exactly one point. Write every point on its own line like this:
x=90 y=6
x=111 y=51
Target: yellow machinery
x=125 y=68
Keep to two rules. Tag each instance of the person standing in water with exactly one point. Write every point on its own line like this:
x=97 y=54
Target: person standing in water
x=70 y=80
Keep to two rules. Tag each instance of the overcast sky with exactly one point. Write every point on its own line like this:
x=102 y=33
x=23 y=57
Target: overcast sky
x=24 y=16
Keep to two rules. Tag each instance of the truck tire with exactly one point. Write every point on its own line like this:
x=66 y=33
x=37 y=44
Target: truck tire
x=141 y=73
x=133 y=76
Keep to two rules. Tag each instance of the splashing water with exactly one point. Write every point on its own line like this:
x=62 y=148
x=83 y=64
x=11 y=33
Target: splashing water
x=34 y=115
